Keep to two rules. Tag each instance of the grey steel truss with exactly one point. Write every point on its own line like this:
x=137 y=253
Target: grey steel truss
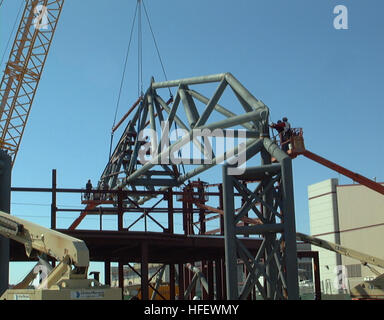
x=271 y=201
x=125 y=170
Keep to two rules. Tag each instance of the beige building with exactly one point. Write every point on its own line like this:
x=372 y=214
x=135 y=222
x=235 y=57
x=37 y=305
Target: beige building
x=350 y=215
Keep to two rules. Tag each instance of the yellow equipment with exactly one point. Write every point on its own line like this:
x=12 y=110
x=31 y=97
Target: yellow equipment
x=367 y=290
x=68 y=280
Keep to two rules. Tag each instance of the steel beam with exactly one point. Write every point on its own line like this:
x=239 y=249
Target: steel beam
x=189 y=106
x=188 y=81
x=260 y=229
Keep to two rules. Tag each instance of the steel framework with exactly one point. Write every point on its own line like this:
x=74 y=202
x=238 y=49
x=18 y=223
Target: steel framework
x=271 y=201
x=272 y=204
x=24 y=68
x=125 y=170
x=179 y=252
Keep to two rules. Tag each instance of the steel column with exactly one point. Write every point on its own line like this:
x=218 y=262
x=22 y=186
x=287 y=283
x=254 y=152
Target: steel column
x=316 y=271
x=276 y=225
x=218 y=279
x=121 y=274
x=211 y=293
x=230 y=236
x=221 y=207
x=120 y=211
x=53 y=204
x=170 y=211
x=204 y=270
x=5 y=206
x=224 y=277
x=288 y=211
x=172 y=289
x=107 y=272
x=181 y=281
x=144 y=272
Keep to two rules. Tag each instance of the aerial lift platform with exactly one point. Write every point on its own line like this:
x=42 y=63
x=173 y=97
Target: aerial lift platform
x=297 y=147
x=367 y=290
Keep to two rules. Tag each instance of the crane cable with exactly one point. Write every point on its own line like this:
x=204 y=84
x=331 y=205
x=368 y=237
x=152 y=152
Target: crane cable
x=12 y=32
x=138 y=15
x=156 y=46
x=163 y=69
x=122 y=79
x=139 y=53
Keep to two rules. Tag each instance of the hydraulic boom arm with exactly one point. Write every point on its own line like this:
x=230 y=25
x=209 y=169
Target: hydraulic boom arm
x=297 y=148
x=68 y=279
x=364 y=258
x=354 y=176
x=46 y=241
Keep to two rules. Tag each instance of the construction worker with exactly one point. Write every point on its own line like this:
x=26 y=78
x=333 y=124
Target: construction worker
x=279 y=127
x=286 y=134
x=103 y=186
x=88 y=188
x=284 y=130
x=287 y=125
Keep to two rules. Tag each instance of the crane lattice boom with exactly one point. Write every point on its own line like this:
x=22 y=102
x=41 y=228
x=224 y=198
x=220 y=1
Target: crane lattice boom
x=24 y=68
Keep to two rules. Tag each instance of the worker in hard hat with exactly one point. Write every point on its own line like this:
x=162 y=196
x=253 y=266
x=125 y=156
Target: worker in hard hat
x=88 y=188
x=284 y=130
x=279 y=127
x=287 y=133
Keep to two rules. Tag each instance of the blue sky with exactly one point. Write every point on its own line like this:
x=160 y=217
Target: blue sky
x=287 y=53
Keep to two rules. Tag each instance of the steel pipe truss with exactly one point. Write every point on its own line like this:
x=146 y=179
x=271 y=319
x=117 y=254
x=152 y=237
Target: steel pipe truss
x=271 y=201
x=273 y=271
x=198 y=120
